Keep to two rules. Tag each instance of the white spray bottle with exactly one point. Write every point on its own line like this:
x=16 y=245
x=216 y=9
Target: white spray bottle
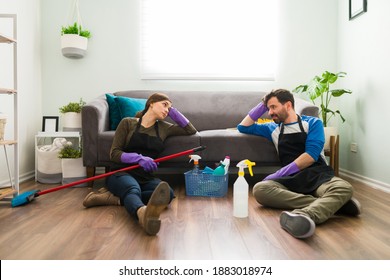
x=223 y=167
x=226 y=163
x=196 y=159
x=241 y=190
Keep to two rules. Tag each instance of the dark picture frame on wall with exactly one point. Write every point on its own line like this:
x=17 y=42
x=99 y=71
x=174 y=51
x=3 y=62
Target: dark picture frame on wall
x=50 y=123
x=357 y=8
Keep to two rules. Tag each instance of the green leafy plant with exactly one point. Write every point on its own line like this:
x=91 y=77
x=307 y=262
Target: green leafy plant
x=75 y=29
x=69 y=152
x=73 y=107
x=319 y=87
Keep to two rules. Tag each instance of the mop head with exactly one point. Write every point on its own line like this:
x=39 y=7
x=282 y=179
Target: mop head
x=23 y=198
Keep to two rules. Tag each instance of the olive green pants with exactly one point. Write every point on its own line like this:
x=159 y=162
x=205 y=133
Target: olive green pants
x=319 y=205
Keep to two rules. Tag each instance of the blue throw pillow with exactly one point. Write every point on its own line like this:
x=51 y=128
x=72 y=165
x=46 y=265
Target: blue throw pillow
x=114 y=113
x=129 y=107
x=121 y=107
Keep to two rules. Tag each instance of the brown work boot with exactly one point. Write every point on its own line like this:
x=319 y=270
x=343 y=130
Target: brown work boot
x=100 y=198
x=149 y=215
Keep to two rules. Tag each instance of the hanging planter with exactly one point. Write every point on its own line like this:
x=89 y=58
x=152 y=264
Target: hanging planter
x=74 y=46
x=74 y=39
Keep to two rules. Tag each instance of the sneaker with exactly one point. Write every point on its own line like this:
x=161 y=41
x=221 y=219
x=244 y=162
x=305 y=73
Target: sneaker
x=352 y=208
x=298 y=225
x=149 y=215
x=101 y=198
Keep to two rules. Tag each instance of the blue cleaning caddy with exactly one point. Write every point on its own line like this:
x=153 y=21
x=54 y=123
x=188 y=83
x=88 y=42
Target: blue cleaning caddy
x=202 y=184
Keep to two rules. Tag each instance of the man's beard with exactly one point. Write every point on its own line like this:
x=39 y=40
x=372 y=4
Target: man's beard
x=279 y=118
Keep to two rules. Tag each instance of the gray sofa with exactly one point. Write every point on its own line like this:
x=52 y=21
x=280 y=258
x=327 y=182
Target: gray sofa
x=215 y=114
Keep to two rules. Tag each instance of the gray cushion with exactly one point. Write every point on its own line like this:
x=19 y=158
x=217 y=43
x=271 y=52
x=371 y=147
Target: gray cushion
x=239 y=146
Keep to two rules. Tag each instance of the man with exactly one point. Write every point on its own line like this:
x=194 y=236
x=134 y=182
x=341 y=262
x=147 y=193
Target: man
x=305 y=184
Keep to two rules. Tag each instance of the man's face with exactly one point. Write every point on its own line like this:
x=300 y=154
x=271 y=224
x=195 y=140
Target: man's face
x=277 y=110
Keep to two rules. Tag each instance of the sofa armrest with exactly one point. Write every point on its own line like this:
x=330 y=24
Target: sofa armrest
x=95 y=119
x=303 y=107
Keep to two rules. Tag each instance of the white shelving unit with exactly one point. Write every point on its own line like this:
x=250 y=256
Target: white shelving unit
x=12 y=190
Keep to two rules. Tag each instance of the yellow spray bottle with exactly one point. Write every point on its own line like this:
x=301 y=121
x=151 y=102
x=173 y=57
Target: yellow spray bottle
x=241 y=190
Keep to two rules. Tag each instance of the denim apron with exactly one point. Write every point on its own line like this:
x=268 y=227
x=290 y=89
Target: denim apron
x=309 y=179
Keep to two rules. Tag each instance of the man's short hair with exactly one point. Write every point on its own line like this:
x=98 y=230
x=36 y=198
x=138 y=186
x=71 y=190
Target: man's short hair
x=283 y=96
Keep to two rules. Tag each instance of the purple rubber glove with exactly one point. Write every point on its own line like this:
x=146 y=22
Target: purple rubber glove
x=146 y=163
x=257 y=111
x=284 y=171
x=178 y=117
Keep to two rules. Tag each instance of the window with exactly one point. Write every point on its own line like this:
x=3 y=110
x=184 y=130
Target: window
x=208 y=39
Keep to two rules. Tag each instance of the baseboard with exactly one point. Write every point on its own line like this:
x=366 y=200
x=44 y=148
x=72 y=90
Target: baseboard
x=345 y=173
x=368 y=181
x=22 y=178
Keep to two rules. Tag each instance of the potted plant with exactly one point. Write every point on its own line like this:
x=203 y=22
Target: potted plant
x=319 y=88
x=71 y=113
x=72 y=165
x=74 y=41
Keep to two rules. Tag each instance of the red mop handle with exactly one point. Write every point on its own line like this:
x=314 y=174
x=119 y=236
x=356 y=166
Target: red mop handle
x=187 y=152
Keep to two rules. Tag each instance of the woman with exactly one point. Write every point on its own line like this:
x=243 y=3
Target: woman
x=139 y=140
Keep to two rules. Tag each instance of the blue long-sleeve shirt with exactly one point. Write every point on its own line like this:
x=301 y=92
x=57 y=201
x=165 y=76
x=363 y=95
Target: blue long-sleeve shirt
x=312 y=126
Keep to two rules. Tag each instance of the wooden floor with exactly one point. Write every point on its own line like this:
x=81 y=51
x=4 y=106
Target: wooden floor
x=56 y=226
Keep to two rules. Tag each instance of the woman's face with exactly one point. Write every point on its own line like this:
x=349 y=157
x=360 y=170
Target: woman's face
x=161 y=109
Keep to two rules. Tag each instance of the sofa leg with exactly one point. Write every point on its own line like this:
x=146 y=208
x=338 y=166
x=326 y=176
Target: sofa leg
x=90 y=173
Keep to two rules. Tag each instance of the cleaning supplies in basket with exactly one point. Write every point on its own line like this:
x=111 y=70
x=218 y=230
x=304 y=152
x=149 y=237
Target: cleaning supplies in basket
x=196 y=159
x=241 y=190
x=205 y=182
x=220 y=170
x=226 y=163
x=207 y=170
x=223 y=167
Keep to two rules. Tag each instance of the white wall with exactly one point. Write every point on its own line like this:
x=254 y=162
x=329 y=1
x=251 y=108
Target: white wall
x=364 y=53
x=29 y=85
x=112 y=61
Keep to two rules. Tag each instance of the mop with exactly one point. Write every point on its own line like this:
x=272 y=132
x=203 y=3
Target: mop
x=29 y=196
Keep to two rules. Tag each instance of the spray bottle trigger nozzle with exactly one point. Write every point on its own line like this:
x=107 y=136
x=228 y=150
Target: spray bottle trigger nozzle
x=194 y=158
x=245 y=164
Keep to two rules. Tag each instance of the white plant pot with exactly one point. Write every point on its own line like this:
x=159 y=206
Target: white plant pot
x=73 y=45
x=73 y=170
x=71 y=121
x=329 y=131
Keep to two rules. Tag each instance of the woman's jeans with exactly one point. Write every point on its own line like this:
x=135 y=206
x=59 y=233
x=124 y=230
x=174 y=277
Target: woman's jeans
x=132 y=194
